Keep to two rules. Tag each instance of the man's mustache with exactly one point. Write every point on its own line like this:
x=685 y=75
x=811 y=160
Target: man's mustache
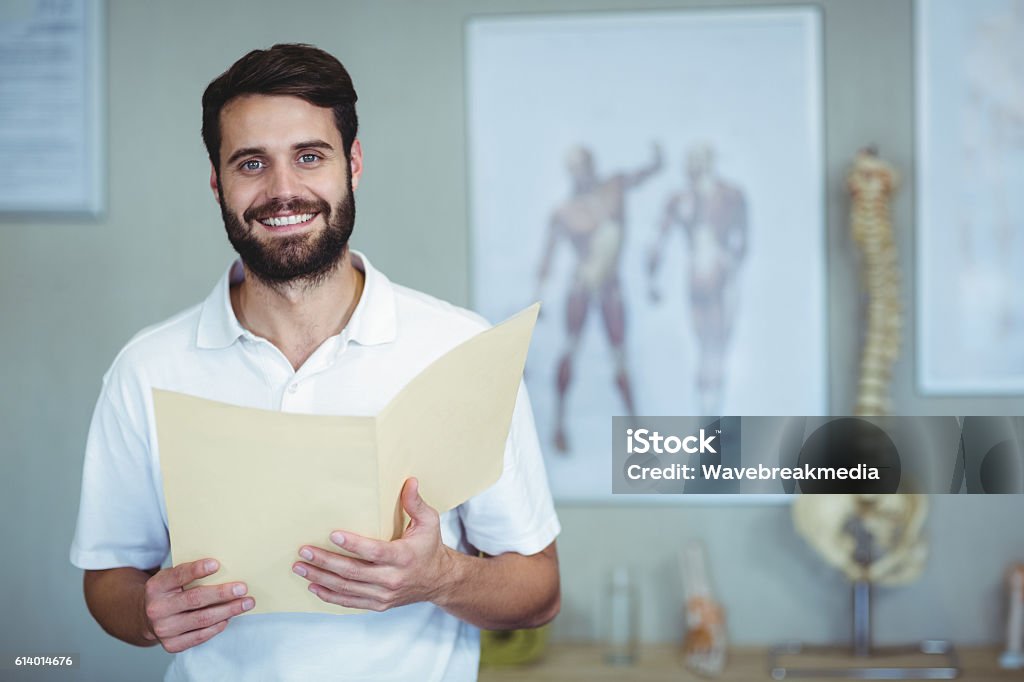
x=275 y=207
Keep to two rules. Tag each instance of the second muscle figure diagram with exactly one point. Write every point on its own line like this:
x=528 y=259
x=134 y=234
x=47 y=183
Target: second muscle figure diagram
x=712 y=213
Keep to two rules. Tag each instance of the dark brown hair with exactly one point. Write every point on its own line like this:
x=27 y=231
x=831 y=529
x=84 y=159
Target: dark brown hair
x=293 y=69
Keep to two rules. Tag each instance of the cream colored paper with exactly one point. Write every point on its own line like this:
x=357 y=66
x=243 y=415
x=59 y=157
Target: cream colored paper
x=249 y=487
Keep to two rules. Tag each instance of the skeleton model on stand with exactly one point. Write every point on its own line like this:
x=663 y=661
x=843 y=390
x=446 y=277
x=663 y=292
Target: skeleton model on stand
x=872 y=183
x=875 y=540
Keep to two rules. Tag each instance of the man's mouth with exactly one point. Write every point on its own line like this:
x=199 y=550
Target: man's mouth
x=288 y=220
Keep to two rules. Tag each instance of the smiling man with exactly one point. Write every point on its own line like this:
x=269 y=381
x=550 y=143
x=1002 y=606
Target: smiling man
x=301 y=323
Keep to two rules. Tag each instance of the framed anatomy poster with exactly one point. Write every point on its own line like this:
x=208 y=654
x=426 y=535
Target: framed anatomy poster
x=970 y=208
x=656 y=180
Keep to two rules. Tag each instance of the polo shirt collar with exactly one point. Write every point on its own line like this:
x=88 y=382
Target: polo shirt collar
x=373 y=321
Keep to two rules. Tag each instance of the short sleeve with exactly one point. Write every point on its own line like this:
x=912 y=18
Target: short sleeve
x=516 y=514
x=119 y=517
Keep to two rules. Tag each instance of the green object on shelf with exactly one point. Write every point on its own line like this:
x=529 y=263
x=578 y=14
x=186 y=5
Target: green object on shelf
x=512 y=647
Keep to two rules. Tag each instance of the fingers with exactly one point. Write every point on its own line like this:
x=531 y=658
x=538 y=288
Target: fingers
x=378 y=575
x=171 y=579
x=362 y=569
x=164 y=594
x=182 y=618
x=418 y=510
x=354 y=582
x=351 y=601
x=381 y=589
x=412 y=503
x=374 y=551
x=199 y=597
x=183 y=624
x=190 y=639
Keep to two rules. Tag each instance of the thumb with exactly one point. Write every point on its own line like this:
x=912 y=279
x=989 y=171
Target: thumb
x=414 y=505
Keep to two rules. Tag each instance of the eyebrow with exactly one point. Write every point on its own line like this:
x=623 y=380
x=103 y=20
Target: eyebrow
x=255 y=151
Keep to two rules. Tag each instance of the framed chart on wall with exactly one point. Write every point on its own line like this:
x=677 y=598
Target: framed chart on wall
x=51 y=120
x=656 y=179
x=970 y=210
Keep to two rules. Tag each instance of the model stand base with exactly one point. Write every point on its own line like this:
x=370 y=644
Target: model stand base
x=1011 y=660
x=932 y=659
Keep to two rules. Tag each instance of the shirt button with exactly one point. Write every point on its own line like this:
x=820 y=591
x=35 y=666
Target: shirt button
x=293 y=388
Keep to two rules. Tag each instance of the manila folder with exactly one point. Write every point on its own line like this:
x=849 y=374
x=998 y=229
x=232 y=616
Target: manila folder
x=248 y=487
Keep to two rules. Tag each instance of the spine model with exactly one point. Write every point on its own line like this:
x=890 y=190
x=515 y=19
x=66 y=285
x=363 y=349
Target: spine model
x=871 y=183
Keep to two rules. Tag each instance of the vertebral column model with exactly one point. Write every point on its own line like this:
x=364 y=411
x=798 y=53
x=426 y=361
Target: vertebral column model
x=872 y=183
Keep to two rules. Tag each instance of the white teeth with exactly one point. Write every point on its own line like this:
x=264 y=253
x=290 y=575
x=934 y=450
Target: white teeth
x=288 y=220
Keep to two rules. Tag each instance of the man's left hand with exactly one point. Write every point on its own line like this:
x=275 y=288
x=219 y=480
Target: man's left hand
x=414 y=568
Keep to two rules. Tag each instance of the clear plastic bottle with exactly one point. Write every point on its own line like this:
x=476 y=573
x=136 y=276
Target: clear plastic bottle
x=622 y=619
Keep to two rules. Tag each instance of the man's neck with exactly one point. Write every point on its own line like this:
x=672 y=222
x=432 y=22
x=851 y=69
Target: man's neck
x=298 y=318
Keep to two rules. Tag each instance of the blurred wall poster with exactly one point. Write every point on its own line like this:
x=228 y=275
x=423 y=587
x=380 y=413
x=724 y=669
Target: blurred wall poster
x=656 y=179
x=970 y=207
x=51 y=106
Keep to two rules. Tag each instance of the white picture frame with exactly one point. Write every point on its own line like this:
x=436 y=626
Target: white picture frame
x=734 y=95
x=52 y=82
x=970 y=210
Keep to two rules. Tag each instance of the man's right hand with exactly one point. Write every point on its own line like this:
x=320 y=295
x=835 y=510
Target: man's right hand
x=181 y=618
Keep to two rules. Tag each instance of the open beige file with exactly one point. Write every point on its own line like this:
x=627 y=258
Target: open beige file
x=250 y=486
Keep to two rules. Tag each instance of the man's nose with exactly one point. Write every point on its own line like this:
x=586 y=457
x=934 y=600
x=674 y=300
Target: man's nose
x=284 y=182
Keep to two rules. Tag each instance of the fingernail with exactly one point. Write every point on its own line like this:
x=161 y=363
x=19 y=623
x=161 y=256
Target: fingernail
x=337 y=538
x=299 y=569
x=210 y=565
x=312 y=588
x=248 y=604
x=238 y=590
x=306 y=554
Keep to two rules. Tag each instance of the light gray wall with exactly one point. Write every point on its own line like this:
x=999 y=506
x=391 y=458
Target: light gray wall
x=71 y=293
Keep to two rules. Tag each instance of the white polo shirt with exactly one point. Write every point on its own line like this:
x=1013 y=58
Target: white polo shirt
x=392 y=335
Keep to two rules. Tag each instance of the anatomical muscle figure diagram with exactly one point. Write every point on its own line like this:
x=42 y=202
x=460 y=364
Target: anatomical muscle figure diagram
x=593 y=221
x=712 y=212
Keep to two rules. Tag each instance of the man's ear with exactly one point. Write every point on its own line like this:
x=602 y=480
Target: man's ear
x=355 y=160
x=213 y=183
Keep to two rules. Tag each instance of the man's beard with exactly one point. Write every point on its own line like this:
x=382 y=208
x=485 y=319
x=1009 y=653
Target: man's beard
x=303 y=259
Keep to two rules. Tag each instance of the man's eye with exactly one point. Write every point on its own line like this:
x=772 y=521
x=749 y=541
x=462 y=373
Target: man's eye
x=252 y=165
x=309 y=158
